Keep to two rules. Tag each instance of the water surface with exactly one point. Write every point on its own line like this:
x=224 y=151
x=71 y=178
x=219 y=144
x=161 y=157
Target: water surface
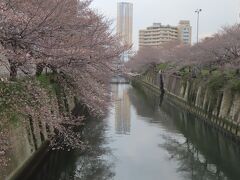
x=145 y=137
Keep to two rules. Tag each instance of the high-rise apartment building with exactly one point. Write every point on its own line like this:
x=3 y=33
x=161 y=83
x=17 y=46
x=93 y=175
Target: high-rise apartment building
x=157 y=34
x=185 y=32
x=125 y=22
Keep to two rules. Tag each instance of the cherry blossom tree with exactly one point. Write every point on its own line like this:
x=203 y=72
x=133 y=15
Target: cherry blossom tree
x=219 y=51
x=66 y=38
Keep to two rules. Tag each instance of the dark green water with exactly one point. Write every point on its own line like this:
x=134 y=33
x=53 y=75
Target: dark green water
x=145 y=138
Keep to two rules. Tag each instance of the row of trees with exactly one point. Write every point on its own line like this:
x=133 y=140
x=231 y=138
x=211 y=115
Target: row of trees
x=65 y=37
x=62 y=35
x=219 y=51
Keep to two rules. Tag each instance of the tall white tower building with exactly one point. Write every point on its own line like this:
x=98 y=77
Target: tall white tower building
x=125 y=24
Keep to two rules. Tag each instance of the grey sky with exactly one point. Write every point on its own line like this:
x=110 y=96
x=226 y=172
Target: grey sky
x=216 y=13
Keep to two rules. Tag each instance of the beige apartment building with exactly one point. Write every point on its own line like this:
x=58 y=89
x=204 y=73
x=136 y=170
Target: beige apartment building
x=157 y=34
x=185 y=32
x=125 y=22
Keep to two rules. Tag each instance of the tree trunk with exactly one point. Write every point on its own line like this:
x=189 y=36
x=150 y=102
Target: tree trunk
x=39 y=68
x=237 y=72
x=13 y=70
x=53 y=68
x=161 y=83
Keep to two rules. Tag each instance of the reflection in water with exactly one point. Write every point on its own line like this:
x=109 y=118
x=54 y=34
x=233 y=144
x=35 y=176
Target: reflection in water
x=86 y=165
x=122 y=109
x=165 y=142
x=191 y=162
x=201 y=152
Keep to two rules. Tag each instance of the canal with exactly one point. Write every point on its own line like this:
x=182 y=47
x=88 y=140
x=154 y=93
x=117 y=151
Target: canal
x=145 y=137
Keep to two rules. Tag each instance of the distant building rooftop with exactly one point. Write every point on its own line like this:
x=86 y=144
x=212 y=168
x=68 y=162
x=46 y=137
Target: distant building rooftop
x=184 y=22
x=124 y=3
x=159 y=25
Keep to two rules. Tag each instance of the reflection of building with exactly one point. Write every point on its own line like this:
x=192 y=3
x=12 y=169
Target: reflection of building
x=125 y=25
x=157 y=34
x=122 y=110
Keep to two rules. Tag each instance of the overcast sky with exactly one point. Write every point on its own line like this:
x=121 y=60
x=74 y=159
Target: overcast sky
x=216 y=13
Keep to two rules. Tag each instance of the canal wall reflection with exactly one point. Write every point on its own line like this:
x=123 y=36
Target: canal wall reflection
x=79 y=164
x=219 y=107
x=203 y=152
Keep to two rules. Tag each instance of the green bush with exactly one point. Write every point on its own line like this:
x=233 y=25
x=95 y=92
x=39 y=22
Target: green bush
x=235 y=85
x=162 y=66
x=216 y=82
x=47 y=81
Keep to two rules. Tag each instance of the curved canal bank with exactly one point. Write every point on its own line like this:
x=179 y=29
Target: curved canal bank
x=146 y=137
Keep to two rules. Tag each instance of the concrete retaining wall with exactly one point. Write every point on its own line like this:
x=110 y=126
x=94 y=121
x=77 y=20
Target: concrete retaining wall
x=220 y=109
x=27 y=137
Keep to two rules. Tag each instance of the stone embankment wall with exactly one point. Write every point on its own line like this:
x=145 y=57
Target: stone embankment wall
x=25 y=139
x=220 y=108
x=24 y=136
